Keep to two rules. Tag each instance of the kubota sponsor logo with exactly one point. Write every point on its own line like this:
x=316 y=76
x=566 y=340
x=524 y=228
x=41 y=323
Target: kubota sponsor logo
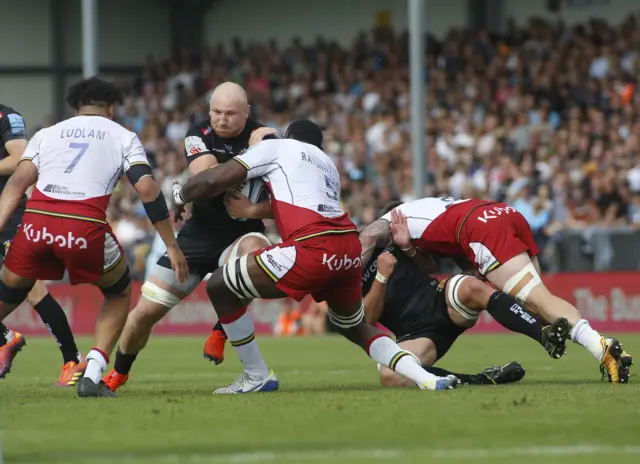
x=340 y=264
x=36 y=235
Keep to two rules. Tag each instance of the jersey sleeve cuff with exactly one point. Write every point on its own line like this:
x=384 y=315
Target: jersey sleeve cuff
x=138 y=163
x=242 y=163
x=192 y=158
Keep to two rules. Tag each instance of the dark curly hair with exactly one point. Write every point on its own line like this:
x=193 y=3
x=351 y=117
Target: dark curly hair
x=93 y=91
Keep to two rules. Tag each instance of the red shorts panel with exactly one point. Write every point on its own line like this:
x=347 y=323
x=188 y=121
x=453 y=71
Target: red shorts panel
x=45 y=246
x=327 y=267
x=493 y=234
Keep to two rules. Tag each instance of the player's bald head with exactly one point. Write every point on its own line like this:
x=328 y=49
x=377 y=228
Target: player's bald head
x=229 y=109
x=229 y=93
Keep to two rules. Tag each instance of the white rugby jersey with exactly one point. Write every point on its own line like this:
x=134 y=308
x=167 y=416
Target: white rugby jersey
x=433 y=223
x=79 y=162
x=304 y=184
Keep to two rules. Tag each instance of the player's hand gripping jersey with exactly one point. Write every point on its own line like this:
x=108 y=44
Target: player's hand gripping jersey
x=488 y=233
x=320 y=253
x=79 y=161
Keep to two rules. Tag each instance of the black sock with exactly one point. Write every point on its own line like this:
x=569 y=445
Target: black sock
x=470 y=379
x=219 y=327
x=466 y=379
x=124 y=362
x=509 y=314
x=4 y=332
x=55 y=320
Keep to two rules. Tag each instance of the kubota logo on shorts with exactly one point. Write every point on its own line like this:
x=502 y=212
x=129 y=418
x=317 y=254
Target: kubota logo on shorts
x=495 y=212
x=345 y=263
x=68 y=241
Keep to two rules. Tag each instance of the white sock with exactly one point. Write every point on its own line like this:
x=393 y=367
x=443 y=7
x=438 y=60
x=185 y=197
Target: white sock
x=96 y=364
x=241 y=335
x=79 y=356
x=583 y=334
x=386 y=352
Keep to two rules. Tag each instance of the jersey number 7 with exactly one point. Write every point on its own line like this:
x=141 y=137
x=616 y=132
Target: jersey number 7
x=83 y=147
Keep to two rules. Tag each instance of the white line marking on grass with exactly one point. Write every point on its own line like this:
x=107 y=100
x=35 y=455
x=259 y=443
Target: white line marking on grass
x=375 y=454
x=567 y=450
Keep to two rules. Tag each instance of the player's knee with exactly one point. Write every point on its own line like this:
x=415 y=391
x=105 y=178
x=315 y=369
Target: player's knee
x=12 y=295
x=523 y=283
x=252 y=243
x=37 y=293
x=460 y=296
x=121 y=288
x=347 y=321
x=539 y=298
x=158 y=296
x=235 y=277
x=474 y=294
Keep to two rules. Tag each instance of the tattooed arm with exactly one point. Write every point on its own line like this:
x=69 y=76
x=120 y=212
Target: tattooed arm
x=376 y=235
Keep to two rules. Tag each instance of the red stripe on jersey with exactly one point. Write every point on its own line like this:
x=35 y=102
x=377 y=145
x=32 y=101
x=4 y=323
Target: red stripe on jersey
x=295 y=222
x=95 y=208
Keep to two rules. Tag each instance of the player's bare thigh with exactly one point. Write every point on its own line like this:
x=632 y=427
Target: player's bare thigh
x=244 y=245
x=423 y=349
x=519 y=277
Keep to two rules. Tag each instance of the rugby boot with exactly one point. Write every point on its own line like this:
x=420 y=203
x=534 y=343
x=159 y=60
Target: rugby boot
x=214 y=347
x=9 y=351
x=442 y=383
x=555 y=336
x=246 y=384
x=113 y=380
x=626 y=361
x=87 y=388
x=71 y=373
x=615 y=363
x=509 y=373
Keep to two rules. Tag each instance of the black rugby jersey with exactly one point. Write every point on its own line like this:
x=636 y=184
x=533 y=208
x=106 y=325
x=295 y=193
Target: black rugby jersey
x=409 y=293
x=12 y=127
x=211 y=213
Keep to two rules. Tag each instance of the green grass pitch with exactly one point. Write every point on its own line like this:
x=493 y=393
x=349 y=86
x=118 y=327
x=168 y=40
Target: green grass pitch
x=330 y=409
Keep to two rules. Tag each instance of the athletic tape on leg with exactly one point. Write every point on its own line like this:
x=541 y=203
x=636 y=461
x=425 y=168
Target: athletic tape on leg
x=154 y=293
x=454 y=300
x=522 y=283
x=237 y=279
x=347 y=322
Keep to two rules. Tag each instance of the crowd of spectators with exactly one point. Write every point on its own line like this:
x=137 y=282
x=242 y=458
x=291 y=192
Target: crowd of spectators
x=545 y=117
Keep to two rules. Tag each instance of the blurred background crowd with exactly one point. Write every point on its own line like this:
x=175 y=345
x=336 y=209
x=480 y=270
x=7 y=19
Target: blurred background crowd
x=545 y=117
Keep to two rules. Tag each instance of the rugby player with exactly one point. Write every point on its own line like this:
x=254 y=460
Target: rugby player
x=319 y=254
x=76 y=164
x=208 y=238
x=13 y=134
x=423 y=314
x=498 y=241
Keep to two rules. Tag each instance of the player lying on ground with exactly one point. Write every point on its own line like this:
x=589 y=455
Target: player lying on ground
x=13 y=135
x=498 y=241
x=209 y=238
x=427 y=316
x=319 y=255
x=76 y=164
